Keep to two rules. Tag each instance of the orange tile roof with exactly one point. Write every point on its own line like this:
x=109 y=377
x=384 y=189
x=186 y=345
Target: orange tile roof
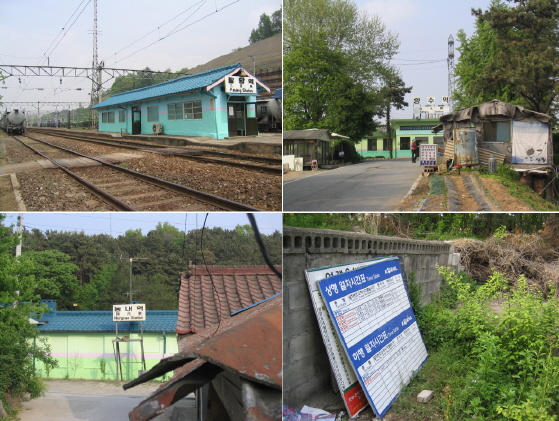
x=210 y=295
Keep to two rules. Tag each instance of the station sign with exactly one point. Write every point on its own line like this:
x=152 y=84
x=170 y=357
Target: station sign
x=129 y=312
x=240 y=85
x=372 y=314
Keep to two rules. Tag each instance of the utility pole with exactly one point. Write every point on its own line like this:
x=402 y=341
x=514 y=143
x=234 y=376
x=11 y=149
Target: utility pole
x=19 y=230
x=132 y=259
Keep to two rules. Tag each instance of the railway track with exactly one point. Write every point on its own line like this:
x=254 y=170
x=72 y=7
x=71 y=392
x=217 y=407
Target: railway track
x=247 y=162
x=129 y=190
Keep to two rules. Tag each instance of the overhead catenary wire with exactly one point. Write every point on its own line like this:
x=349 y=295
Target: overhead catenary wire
x=176 y=31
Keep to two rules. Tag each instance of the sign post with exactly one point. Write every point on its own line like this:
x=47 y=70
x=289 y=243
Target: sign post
x=428 y=155
x=128 y=313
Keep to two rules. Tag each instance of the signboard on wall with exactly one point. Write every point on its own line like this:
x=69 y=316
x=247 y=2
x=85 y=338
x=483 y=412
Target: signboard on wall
x=373 y=318
x=428 y=155
x=529 y=142
x=240 y=85
x=346 y=379
x=129 y=312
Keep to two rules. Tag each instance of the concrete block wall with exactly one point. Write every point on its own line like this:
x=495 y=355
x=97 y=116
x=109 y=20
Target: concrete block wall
x=306 y=365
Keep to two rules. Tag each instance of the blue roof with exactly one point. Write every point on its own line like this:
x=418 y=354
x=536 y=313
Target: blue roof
x=102 y=321
x=180 y=85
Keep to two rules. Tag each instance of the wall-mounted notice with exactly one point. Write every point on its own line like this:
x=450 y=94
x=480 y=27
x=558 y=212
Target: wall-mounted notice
x=350 y=389
x=374 y=320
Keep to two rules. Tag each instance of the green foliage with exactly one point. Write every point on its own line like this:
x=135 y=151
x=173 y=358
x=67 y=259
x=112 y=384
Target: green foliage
x=512 y=56
x=504 y=363
x=103 y=368
x=320 y=94
x=18 y=338
x=267 y=26
x=500 y=232
x=94 y=271
x=335 y=63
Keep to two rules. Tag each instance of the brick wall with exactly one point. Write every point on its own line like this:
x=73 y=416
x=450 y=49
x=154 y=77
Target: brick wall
x=306 y=365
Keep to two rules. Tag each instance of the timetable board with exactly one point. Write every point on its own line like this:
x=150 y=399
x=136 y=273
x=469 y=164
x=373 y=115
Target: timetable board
x=350 y=388
x=371 y=312
x=428 y=155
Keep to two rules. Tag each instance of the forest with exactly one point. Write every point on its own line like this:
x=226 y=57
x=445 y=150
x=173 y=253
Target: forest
x=92 y=272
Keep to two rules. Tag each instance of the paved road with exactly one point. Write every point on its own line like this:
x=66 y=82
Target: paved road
x=89 y=400
x=372 y=186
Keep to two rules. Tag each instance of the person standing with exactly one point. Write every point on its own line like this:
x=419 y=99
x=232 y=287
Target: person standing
x=414 y=150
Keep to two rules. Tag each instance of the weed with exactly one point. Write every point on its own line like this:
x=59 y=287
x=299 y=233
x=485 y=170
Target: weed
x=485 y=365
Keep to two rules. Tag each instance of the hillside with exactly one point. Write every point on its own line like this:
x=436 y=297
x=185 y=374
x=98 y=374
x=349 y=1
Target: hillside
x=267 y=53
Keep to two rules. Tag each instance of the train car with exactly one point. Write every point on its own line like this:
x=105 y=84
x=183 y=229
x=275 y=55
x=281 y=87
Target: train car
x=269 y=113
x=13 y=122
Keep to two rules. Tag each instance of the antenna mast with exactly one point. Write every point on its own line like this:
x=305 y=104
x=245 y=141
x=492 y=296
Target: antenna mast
x=450 y=62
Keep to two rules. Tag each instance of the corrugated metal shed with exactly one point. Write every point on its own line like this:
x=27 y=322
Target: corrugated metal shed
x=248 y=345
x=212 y=294
x=183 y=84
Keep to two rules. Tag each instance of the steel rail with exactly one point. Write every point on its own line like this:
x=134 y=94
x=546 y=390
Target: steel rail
x=217 y=201
x=139 y=146
x=101 y=194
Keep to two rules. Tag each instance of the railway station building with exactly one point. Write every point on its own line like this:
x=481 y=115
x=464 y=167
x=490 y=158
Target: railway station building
x=376 y=145
x=218 y=103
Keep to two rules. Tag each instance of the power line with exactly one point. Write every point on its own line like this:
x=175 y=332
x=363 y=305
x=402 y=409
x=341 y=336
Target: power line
x=156 y=29
x=178 y=30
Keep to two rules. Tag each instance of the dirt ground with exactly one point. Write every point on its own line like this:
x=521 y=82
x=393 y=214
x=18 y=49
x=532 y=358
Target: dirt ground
x=493 y=192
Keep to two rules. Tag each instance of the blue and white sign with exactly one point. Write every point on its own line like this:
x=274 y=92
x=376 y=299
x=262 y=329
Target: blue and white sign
x=372 y=315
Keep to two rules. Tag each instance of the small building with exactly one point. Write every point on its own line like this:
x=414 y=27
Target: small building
x=511 y=133
x=230 y=350
x=376 y=145
x=83 y=341
x=218 y=103
x=311 y=145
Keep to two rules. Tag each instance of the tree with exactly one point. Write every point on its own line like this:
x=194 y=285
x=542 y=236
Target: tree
x=394 y=93
x=321 y=94
x=267 y=27
x=335 y=62
x=18 y=301
x=363 y=39
x=513 y=56
x=55 y=276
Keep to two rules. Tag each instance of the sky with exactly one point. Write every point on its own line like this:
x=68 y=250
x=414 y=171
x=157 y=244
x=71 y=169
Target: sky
x=118 y=223
x=62 y=31
x=423 y=28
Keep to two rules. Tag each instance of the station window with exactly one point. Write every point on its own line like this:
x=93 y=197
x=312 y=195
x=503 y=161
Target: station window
x=185 y=111
x=371 y=144
x=175 y=111
x=193 y=110
x=385 y=145
x=153 y=113
x=405 y=143
x=496 y=131
x=121 y=116
x=108 y=117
